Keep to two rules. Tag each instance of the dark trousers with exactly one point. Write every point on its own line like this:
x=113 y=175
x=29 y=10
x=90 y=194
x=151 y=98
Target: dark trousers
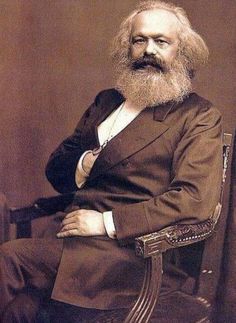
x=28 y=268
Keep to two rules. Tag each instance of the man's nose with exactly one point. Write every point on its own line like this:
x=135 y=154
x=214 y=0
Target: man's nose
x=151 y=48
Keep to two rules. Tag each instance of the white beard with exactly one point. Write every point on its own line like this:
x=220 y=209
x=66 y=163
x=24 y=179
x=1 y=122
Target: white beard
x=148 y=87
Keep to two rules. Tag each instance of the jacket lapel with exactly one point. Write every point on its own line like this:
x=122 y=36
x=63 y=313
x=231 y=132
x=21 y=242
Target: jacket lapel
x=89 y=134
x=144 y=129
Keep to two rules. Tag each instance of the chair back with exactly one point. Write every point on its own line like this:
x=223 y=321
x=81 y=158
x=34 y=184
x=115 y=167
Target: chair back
x=213 y=247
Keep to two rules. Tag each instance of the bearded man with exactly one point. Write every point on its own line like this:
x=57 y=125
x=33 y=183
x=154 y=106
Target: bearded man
x=141 y=158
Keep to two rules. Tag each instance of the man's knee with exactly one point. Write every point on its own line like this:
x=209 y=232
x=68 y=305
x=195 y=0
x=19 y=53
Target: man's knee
x=6 y=251
x=23 y=308
x=11 y=258
x=10 y=249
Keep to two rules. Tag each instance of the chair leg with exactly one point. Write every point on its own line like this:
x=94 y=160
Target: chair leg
x=144 y=306
x=4 y=220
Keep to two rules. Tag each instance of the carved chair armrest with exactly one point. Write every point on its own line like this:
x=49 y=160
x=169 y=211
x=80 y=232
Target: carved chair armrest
x=175 y=236
x=151 y=246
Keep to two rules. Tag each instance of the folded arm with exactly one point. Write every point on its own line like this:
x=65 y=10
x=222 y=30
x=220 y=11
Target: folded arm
x=194 y=189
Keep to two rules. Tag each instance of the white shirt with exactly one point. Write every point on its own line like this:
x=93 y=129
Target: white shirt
x=109 y=128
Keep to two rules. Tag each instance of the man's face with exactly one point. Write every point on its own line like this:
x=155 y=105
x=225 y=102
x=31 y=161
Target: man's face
x=154 y=40
x=154 y=72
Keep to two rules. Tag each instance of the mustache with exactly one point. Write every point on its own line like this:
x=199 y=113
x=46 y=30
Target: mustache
x=142 y=62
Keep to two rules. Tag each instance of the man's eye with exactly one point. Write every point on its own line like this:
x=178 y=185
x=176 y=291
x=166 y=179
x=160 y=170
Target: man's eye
x=161 y=41
x=138 y=41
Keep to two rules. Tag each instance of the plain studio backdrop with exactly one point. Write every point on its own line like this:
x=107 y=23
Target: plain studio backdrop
x=54 y=60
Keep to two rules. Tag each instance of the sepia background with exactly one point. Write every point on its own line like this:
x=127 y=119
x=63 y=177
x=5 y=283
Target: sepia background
x=53 y=61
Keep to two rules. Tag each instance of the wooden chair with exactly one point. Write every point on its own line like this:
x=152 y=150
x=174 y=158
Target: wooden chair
x=151 y=247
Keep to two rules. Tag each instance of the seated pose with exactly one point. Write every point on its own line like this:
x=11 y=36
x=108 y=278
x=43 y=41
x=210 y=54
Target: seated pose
x=145 y=155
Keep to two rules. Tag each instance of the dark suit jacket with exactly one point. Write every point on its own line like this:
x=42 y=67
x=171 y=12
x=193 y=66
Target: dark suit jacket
x=163 y=168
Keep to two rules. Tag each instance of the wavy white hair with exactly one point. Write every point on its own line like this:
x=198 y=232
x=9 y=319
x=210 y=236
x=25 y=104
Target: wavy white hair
x=192 y=49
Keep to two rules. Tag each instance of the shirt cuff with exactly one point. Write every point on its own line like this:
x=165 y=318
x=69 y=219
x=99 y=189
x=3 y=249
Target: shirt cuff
x=80 y=174
x=109 y=224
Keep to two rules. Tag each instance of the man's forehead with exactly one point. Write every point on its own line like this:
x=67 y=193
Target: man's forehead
x=156 y=21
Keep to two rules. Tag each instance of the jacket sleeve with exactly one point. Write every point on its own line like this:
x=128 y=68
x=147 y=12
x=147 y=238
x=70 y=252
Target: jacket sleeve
x=61 y=167
x=195 y=184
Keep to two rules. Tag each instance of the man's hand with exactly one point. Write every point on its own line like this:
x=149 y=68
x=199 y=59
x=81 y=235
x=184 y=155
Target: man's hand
x=82 y=223
x=88 y=161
